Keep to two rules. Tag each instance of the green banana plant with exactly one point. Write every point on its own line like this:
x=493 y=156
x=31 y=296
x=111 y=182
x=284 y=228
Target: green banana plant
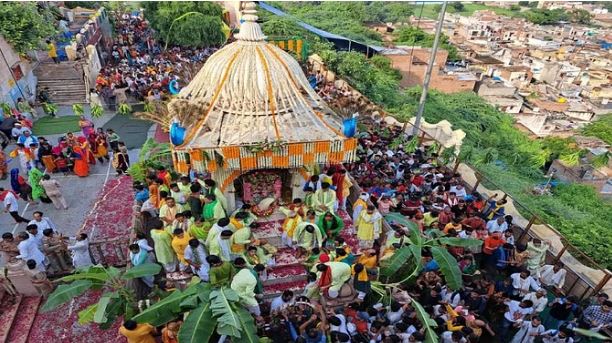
x=49 y=107
x=97 y=111
x=124 y=109
x=118 y=300
x=208 y=310
x=405 y=264
x=571 y=159
x=78 y=109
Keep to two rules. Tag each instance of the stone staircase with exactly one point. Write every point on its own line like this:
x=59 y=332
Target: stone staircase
x=288 y=273
x=16 y=318
x=65 y=81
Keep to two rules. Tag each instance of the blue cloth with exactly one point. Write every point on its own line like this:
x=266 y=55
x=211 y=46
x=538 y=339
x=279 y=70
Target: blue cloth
x=431 y=266
x=22 y=139
x=15 y=180
x=143 y=195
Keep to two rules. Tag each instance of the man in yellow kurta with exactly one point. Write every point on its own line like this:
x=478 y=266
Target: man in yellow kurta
x=180 y=241
x=307 y=236
x=360 y=205
x=240 y=239
x=168 y=211
x=324 y=200
x=369 y=226
x=244 y=284
x=333 y=276
x=289 y=226
x=238 y=220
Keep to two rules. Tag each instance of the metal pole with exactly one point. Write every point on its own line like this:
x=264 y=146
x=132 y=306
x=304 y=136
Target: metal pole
x=432 y=58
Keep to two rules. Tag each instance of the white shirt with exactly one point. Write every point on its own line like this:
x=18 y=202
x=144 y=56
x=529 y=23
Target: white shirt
x=278 y=304
x=447 y=337
x=10 y=199
x=28 y=250
x=43 y=224
x=539 y=304
x=395 y=317
x=554 y=337
x=461 y=193
x=550 y=278
x=493 y=226
x=522 y=285
x=203 y=271
x=513 y=307
x=38 y=239
x=525 y=332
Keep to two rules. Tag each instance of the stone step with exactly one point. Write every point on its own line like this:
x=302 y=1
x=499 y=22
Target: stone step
x=273 y=291
x=22 y=325
x=63 y=71
x=8 y=312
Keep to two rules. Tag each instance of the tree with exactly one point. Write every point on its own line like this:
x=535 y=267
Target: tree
x=515 y=8
x=580 y=16
x=457 y=6
x=546 y=16
x=523 y=3
x=24 y=25
x=601 y=128
x=281 y=27
x=118 y=300
x=193 y=24
x=412 y=35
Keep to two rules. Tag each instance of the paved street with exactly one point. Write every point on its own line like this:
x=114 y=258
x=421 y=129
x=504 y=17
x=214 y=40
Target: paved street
x=80 y=193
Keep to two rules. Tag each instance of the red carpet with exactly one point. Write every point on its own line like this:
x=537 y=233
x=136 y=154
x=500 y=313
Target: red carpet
x=110 y=217
x=61 y=325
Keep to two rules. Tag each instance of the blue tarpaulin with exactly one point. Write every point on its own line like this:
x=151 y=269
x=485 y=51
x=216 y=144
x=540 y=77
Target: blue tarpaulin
x=341 y=43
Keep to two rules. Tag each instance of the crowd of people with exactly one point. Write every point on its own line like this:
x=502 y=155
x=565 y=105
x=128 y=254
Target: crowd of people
x=509 y=294
x=140 y=68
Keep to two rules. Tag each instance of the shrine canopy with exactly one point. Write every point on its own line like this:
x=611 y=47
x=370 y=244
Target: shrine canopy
x=252 y=107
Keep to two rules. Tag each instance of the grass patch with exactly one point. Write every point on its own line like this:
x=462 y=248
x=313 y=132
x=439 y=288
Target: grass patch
x=54 y=126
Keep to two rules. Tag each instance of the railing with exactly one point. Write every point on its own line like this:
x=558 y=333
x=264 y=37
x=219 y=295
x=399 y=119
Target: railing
x=110 y=252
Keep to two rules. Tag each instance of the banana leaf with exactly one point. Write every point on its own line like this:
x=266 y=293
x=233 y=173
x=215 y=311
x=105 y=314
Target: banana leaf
x=146 y=269
x=86 y=316
x=448 y=266
x=428 y=323
x=199 y=325
x=189 y=303
x=97 y=111
x=395 y=262
x=163 y=311
x=414 y=234
x=100 y=316
x=85 y=275
x=591 y=334
x=65 y=293
x=228 y=322
x=115 y=308
x=249 y=331
x=460 y=242
x=78 y=109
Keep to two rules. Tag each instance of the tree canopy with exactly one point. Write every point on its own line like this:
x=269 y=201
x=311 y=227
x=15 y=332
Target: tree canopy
x=25 y=25
x=412 y=35
x=547 y=17
x=192 y=24
x=601 y=128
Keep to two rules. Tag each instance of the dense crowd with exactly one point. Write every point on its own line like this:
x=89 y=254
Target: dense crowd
x=140 y=68
x=509 y=294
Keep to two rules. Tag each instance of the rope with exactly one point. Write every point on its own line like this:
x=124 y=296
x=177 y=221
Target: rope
x=271 y=98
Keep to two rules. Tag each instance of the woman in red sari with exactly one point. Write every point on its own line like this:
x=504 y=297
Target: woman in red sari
x=79 y=155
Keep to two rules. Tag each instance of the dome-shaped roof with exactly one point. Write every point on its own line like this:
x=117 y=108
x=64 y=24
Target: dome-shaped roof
x=251 y=91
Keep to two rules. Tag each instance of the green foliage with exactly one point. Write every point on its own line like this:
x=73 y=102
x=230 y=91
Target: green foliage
x=325 y=14
x=580 y=16
x=457 y=6
x=412 y=35
x=97 y=111
x=388 y=12
x=192 y=24
x=118 y=300
x=601 y=128
x=124 y=109
x=78 y=109
x=25 y=25
x=515 y=8
x=543 y=16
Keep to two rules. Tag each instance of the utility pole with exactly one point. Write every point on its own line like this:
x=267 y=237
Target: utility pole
x=432 y=58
